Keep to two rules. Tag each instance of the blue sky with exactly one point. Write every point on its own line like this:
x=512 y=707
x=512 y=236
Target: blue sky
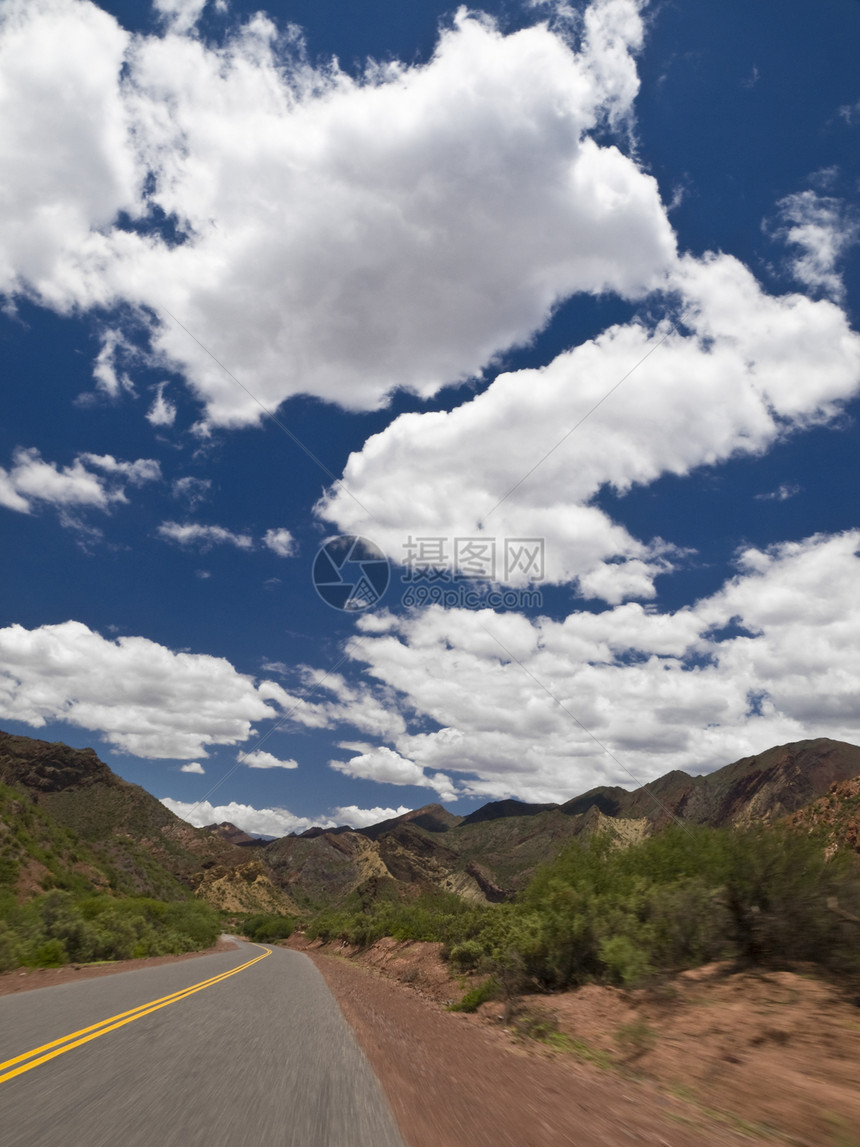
x=554 y=305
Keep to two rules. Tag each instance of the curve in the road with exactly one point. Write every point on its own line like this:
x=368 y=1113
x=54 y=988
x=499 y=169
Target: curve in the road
x=66 y=1043
x=266 y=1057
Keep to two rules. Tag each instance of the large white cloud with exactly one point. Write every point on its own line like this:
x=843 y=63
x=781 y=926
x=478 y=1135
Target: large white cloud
x=343 y=237
x=364 y=817
x=182 y=14
x=262 y=821
x=772 y=657
x=65 y=146
x=329 y=699
x=741 y=369
x=276 y=821
x=386 y=766
x=140 y=696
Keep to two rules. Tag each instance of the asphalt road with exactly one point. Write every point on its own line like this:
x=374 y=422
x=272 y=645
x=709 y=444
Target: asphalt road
x=262 y=1056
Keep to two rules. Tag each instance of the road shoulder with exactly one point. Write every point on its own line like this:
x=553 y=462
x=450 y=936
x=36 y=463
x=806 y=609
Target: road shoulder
x=452 y=1083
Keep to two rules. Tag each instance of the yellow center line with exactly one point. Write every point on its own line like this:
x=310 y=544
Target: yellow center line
x=113 y=1022
x=133 y=1011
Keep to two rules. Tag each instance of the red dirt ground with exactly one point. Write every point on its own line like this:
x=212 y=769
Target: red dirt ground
x=709 y=1058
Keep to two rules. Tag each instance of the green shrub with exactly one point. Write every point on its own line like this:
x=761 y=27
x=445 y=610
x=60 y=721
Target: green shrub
x=50 y=954
x=439 y=917
x=681 y=898
x=781 y=895
x=8 y=870
x=625 y=961
x=476 y=996
x=59 y=927
x=8 y=948
x=467 y=955
x=262 y=927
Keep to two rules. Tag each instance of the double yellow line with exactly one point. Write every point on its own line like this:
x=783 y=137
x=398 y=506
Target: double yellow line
x=39 y=1055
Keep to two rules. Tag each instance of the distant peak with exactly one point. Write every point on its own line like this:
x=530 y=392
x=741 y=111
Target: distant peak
x=497 y=810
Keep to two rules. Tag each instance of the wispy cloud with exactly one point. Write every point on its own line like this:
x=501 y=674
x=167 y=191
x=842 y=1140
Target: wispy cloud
x=192 y=534
x=780 y=494
x=822 y=228
x=192 y=490
x=162 y=412
x=91 y=481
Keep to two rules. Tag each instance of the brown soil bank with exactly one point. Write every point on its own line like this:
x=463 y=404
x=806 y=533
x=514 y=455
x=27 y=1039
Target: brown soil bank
x=711 y=1058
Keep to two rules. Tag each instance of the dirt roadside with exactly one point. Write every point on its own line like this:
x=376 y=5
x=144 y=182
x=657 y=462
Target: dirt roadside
x=713 y=1061
x=713 y=1058
x=452 y=1083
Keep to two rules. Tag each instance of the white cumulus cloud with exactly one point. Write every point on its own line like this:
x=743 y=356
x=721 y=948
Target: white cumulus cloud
x=277 y=821
x=105 y=368
x=770 y=658
x=328 y=699
x=263 y=821
x=782 y=493
x=741 y=369
x=65 y=134
x=182 y=15
x=142 y=698
x=137 y=473
x=405 y=227
x=262 y=760
x=280 y=542
x=193 y=767
x=364 y=817
x=388 y=767
x=192 y=490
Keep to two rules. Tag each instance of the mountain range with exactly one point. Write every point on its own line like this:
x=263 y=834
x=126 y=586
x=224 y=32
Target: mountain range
x=67 y=820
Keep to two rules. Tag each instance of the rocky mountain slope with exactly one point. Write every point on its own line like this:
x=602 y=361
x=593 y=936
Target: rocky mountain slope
x=835 y=816
x=233 y=834
x=486 y=856
x=112 y=833
x=491 y=853
x=755 y=789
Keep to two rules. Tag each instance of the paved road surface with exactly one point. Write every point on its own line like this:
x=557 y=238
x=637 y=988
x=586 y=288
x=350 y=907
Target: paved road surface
x=261 y=1057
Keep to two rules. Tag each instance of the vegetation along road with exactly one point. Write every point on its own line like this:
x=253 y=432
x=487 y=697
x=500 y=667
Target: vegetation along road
x=239 y=1047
